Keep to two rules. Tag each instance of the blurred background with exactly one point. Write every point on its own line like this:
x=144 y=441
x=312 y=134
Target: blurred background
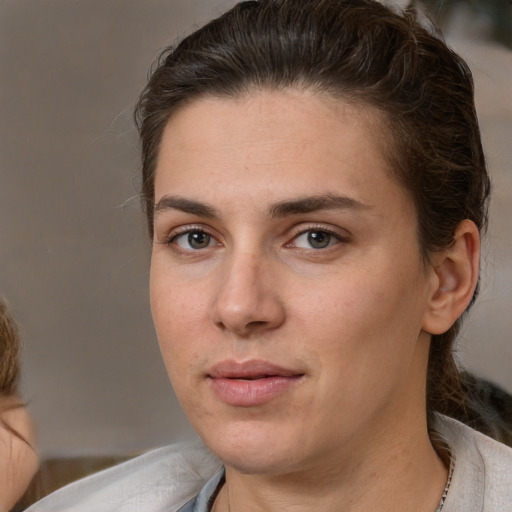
x=74 y=253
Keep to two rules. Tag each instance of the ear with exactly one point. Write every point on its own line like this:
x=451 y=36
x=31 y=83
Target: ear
x=455 y=276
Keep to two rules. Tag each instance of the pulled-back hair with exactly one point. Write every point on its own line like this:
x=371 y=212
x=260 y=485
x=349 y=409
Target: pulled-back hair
x=361 y=52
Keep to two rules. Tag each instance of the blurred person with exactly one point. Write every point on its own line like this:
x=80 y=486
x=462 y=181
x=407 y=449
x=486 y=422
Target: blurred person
x=18 y=458
x=316 y=191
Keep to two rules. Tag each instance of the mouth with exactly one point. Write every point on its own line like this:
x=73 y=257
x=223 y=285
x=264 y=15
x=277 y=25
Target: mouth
x=251 y=383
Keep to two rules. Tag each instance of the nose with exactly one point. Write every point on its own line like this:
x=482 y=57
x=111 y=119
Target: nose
x=248 y=300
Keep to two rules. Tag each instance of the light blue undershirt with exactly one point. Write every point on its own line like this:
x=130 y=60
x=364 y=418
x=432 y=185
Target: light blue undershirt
x=204 y=500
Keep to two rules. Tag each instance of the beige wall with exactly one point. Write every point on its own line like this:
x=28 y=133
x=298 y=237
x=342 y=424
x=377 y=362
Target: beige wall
x=73 y=253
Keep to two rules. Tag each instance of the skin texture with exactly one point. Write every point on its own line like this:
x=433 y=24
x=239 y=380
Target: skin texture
x=18 y=459
x=350 y=319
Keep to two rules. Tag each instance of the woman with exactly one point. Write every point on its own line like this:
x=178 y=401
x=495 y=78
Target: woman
x=18 y=459
x=315 y=189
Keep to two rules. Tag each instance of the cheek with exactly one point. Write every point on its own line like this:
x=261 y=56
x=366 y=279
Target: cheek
x=363 y=315
x=357 y=342
x=176 y=303
x=177 y=312
x=348 y=300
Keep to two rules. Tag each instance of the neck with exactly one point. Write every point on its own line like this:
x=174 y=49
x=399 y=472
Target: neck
x=411 y=477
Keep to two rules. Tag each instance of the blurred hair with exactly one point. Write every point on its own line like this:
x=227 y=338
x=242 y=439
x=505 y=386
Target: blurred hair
x=9 y=387
x=9 y=352
x=9 y=366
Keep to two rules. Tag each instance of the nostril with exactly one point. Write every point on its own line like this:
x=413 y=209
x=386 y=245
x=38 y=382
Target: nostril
x=256 y=323
x=242 y=329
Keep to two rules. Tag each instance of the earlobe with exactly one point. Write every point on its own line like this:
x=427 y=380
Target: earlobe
x=455 y=278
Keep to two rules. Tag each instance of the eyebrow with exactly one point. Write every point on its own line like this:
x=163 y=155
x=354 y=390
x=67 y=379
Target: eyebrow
x=186 y=206
x=281 y=209
x=316 y=203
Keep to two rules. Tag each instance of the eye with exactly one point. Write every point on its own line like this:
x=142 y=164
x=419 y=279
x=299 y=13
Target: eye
x=315 y=239
x=193 y=240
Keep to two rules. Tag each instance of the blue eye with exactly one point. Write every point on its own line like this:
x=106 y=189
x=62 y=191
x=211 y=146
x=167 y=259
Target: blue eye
x=193 y=240
x=315 y=239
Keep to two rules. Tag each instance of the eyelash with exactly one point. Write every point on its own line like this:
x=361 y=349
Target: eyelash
x=171 y=240
x=317 y=229
x=184 y=231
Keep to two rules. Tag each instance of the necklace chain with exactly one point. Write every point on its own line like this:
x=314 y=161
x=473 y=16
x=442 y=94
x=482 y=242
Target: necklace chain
x=229 y=503
x=446 y=488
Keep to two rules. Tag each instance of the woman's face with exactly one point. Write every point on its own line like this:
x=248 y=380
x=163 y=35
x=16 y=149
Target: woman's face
x=287 y=287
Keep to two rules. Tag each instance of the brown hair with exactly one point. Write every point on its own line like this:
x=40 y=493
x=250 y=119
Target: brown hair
x=9 y=381
x=9 y=352
x=9 y=365
x=363 y=52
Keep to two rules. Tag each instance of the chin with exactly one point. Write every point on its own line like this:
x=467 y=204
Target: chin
x=251 y=449
x=255 y=462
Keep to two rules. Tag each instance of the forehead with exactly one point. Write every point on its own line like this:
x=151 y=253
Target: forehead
x=276 y=105
x=277 y=143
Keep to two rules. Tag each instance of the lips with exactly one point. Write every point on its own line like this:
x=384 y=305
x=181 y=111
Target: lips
x=251 y=383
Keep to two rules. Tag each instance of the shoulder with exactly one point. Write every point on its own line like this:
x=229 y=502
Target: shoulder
x=158 y=481
x=482 y=478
